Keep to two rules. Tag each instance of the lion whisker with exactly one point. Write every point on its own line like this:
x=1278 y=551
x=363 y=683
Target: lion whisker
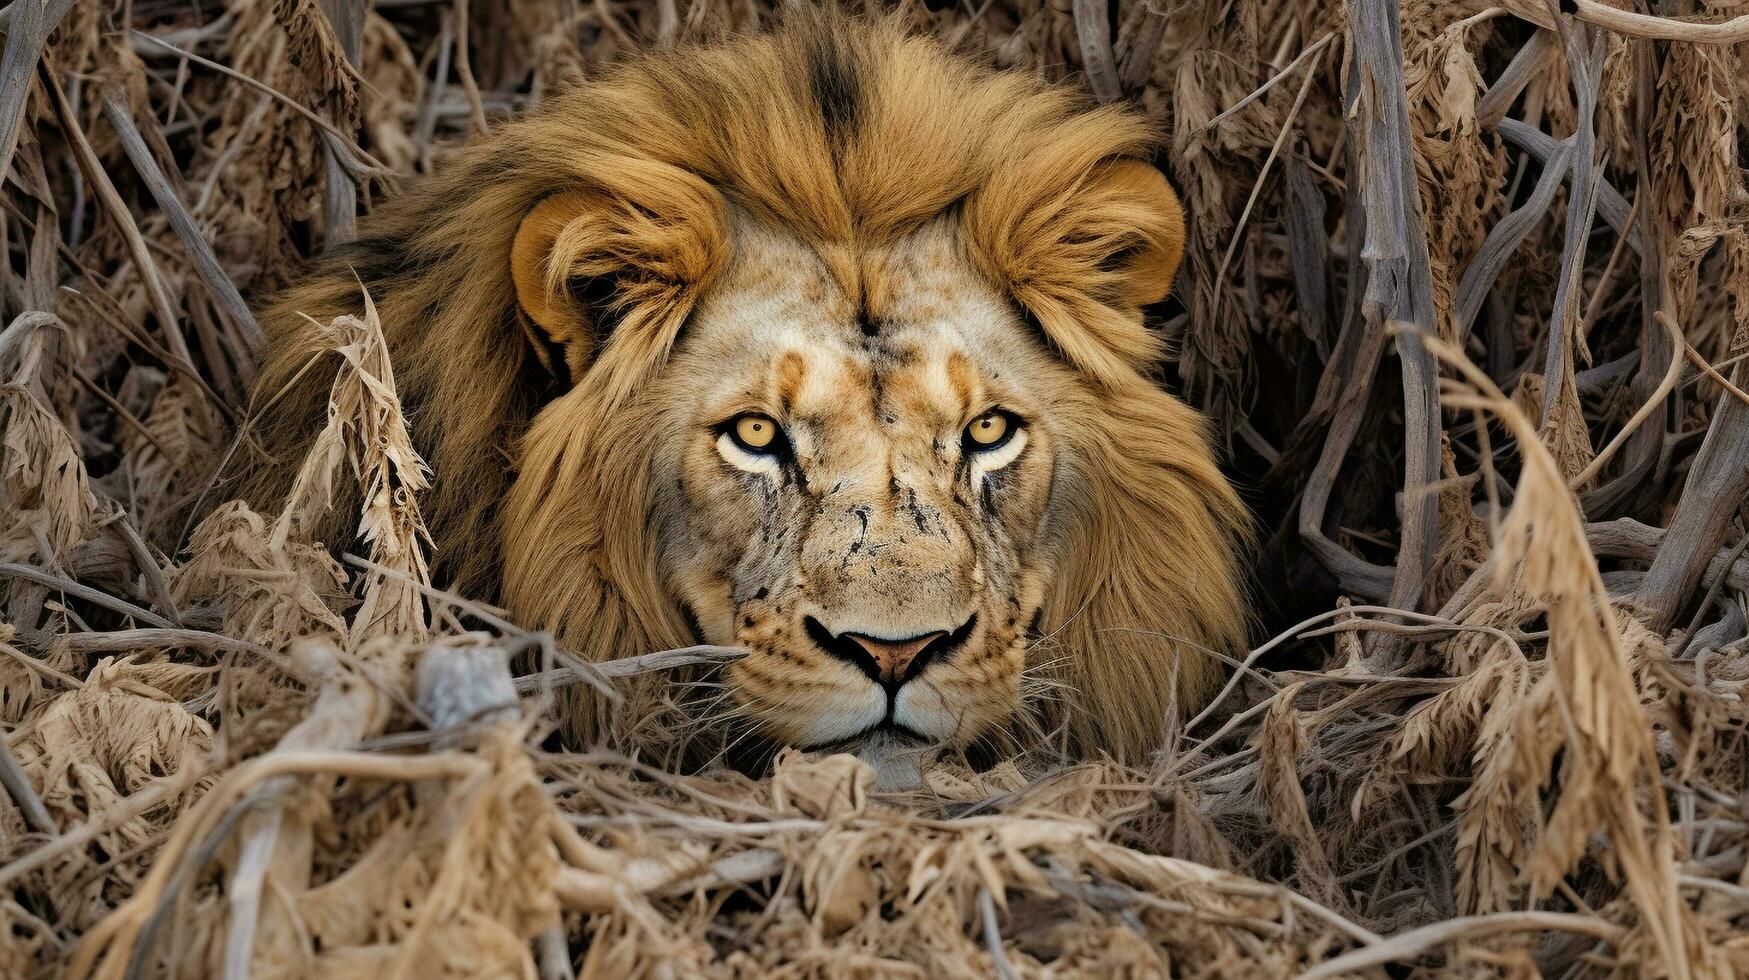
x=1044 y=665
x=731 y=746
x=1064 y=624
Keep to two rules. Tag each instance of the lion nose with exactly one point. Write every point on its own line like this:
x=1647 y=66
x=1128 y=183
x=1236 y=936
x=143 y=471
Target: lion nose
x=887 y=661
x=893 y=658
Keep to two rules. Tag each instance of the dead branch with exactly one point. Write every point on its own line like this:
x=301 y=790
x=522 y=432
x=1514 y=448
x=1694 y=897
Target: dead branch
x=1398 y=281
x=694 y=656
x=1416 y=942
x=1093 y=31
x=1718 y=481
x=115 y=109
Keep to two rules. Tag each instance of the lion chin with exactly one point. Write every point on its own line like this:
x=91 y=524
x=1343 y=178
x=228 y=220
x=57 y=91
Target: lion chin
x=828 y=344
x=897 y=759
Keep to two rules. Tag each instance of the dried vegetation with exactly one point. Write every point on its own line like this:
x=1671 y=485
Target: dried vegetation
x=1481 y=267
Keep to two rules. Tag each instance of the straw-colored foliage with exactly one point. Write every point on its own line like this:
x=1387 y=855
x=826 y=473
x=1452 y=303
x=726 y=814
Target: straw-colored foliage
x=1465 y=292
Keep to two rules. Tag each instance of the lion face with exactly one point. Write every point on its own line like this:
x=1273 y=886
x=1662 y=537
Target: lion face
x=861 y=499
x=729 y=346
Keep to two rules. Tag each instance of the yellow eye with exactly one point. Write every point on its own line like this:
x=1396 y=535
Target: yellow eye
x=989 y=430
x=755 y=432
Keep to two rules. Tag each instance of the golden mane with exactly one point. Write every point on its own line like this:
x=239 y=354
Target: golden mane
x=850 y=133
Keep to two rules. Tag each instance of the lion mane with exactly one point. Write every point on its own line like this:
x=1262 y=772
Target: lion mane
x=848 y=132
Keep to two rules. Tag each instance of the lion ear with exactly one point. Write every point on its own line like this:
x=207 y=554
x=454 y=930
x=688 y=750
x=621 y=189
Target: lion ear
x=634 y=255
x=1083 y=251
x=540 y=280
x=1141 y=203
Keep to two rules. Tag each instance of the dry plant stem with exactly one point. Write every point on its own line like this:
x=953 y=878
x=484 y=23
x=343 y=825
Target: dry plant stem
x=1504 y=239
x=1308 y=250
x=1399 y=280
x=23 y=326
x=1232 y=723
x=148 y=565
x=112 y=203
x=1274 y=80
x=1093 y=33
x=1416 y=942
x=206 y=264
x=1492 y=106
x=1699 y=522
x=33 y=574
x=24 y=47
x=1627 y=538
x=667 y=23
x=1711 y=372
x=345 y=712
x=1232 y=884
x=388 y=469
x=1393 y=264
x=1643 y=457
x=553 y=951
x=427 y=122
x=221 y=27
x=1351 y=377
x=1632 y=24
x=1718 y=481
x=36 y=666
x=121 y=411
x=1338 y=405
x=1585 y=68
x=605 y=17
x=17 y=785
x=1298 y=630
x=340 y=196
x=602 y=891
x=479 y=610
x=632 y=666
x=243 y=892
x=1287 y=124
x=1738 y=892
x=1137 y=63
x=720 y=828
x=1606 y=281
x=243 y=434
x=993 y=936
x=220 y=166
x=1606 y=728
x=131 y=806
x=575 y=669
x=142 y=639
x=109 y=319
x=1612 y=206
x=1706 y=601
x=464 y=68
x=328 y=129
x=114 y=938
x=1665 y=387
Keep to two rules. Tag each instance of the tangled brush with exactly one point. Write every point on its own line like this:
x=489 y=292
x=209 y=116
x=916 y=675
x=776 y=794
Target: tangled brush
x=1480 y=266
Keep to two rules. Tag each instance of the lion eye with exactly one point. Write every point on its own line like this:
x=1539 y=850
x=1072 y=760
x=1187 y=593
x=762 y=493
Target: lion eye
x=755 y=433
x=989 y=430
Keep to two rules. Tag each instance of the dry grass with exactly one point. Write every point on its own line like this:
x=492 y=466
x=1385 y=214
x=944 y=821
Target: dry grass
x=1467 y=289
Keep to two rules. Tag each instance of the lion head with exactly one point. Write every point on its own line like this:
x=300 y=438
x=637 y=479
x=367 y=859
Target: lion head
x=827 y=344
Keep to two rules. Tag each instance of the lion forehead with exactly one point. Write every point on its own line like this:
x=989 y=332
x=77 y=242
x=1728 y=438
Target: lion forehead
x=915 y=323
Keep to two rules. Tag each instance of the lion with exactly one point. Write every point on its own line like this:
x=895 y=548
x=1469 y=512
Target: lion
x=825 y=343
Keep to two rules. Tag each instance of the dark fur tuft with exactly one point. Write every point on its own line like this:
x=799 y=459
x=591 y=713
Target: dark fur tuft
x=835 y=83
